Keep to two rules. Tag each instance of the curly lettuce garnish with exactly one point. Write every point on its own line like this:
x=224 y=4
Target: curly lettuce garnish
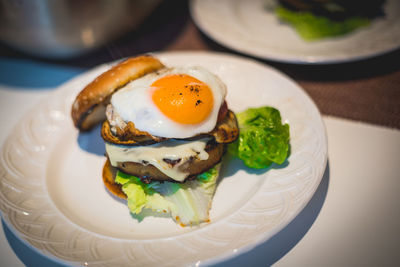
x=313 y=27
x=263 y=139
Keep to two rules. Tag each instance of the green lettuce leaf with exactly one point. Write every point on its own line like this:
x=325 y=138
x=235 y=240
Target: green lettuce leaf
x=141 y=195
x=263 y=139
x=311 y=27
x=188 y=203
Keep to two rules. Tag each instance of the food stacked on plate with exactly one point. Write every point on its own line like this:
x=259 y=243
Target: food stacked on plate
x=166 y=130
x=317 y=19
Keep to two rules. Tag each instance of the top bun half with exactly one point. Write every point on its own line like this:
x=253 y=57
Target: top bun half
x=89 y=106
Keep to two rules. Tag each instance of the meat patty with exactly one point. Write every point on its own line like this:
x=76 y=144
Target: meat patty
x=192 y=165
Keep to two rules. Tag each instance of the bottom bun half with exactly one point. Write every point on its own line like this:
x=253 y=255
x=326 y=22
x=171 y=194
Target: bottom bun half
x=109 y=173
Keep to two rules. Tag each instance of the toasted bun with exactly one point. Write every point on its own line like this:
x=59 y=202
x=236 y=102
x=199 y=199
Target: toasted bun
x=88 y=108
x=109 y=173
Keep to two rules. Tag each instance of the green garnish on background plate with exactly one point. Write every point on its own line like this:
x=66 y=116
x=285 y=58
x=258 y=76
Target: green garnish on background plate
x=313 y=27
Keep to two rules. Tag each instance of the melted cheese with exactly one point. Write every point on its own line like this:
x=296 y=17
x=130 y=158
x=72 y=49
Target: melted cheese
x=155 y=155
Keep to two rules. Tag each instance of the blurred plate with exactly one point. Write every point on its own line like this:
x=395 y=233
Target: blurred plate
x=52 y=195
x=247 y=27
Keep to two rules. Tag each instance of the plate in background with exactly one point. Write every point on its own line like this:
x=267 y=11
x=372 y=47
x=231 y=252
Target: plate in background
x=248 y=27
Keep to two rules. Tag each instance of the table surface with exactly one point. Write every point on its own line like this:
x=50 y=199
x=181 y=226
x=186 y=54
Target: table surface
x=353 y=218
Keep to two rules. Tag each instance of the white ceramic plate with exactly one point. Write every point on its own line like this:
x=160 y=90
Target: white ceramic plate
x=247 y=27
x=51 y=191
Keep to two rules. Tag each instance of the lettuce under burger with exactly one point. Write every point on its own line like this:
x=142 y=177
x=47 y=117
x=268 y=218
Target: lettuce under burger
x=188 y=203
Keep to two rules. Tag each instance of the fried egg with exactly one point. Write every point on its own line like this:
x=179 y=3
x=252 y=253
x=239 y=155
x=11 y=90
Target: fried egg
x=172 y=103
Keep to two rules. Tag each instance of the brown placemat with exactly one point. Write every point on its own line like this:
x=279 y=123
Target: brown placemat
x=367 y=90
x=374 y=100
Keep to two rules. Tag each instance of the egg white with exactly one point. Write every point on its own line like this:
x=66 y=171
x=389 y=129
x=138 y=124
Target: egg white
x=134 y=103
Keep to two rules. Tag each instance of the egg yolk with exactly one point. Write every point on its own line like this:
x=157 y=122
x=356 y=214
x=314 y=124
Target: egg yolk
x=183 y=98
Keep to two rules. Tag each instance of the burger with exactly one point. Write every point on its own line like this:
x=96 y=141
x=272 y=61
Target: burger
x=165 y=130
